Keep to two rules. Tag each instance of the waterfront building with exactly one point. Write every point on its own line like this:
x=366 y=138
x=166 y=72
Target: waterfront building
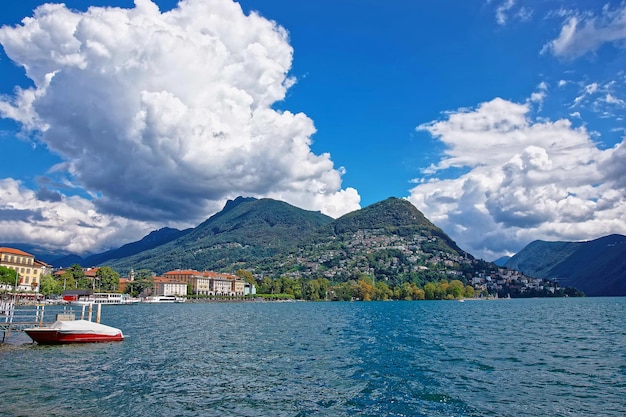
x=167 y=286
x=209 y=282
x=29 y=270
x=182 y=275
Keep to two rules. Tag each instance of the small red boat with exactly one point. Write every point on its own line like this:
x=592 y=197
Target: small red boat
x=74 y=331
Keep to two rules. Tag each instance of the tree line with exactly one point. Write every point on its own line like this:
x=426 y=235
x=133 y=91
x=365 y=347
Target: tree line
x=363 y=287
x=75 y=278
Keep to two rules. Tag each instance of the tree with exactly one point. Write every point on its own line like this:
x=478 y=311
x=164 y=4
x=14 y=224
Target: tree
x=405 y=292
x=316 y=289
x=143 y=274
x=264 y=286
x=245 y=275
x=109 y=279
x=144 y=280
x=344 y=291
x=312 y=290
x=456 y=288
x=138 y=286
x=382 y=291
x=49 y=285
x=441 y=290
x=418 y=293
x=365 y=289
x=78 y=278
x=429 y=290
x=276 y=287
x=8 y=276
x=67 y=280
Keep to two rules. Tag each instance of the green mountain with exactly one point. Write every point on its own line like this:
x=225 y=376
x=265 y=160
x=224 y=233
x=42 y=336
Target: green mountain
x=596 y=267
x=394 y=217
x=390 y=240
x=245 y=232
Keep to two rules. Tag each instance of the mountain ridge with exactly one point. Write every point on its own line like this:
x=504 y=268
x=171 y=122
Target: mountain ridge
x=151 y=240
x=597 y=267
x=390 y=241
x=247 y=230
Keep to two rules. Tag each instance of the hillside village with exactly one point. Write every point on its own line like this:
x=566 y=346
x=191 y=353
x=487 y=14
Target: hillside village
x=187 y=282
x=358 y=251
x=388 y=250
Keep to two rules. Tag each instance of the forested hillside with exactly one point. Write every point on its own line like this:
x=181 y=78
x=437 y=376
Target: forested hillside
x=246 y=232
x=597 y=267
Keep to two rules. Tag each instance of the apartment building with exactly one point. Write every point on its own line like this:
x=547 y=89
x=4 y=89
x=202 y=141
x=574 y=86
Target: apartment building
x=167 y=286
x=209 y=282
x=29 y=269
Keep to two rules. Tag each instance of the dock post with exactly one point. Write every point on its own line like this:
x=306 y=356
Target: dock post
x=98 y=311
x=40 y=313
x=90 y=310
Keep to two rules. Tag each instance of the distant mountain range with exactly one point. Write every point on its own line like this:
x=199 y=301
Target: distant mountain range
x=596 y=267
x=502 y=261
x=390 y=241
x=152 y=240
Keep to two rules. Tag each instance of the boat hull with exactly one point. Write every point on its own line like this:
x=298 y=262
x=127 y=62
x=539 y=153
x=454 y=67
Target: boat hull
x=55 y=337
x=74 y=331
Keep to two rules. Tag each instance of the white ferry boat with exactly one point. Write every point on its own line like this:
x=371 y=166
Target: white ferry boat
x=163 y=299
x=108 y=298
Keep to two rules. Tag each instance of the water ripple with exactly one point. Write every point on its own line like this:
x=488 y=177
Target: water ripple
x=560 y=357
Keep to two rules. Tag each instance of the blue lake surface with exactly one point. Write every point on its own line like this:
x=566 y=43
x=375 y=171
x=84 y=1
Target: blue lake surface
x=521 y=357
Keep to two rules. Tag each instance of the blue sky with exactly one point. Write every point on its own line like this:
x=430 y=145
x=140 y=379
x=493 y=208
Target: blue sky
x=501 y=120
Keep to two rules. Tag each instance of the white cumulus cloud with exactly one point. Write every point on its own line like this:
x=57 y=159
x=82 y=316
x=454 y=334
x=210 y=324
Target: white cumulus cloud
x=53 y=221
x=582 y=34
x=523 y=179
x=162 y=116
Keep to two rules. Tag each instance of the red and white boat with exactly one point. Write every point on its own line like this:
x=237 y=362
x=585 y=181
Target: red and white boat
x=74 y=331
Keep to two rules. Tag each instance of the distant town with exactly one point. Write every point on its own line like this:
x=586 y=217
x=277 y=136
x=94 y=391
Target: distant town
x=21 y=272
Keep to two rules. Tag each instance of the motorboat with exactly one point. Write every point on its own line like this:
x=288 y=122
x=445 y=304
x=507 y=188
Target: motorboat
x=74 y=331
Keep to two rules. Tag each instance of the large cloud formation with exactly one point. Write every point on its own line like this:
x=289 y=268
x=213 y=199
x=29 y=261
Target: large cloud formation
x=163 y=116
x=55 y=222
x=522 y=179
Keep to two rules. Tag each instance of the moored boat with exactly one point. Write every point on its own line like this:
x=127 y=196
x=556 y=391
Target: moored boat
x=106 y=299
x=74 y=331
x=163 y=299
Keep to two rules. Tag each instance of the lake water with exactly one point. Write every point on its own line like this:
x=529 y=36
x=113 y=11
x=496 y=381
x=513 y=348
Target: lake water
x=522 y=357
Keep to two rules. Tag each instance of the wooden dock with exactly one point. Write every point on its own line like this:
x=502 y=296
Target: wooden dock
x=15 y=317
